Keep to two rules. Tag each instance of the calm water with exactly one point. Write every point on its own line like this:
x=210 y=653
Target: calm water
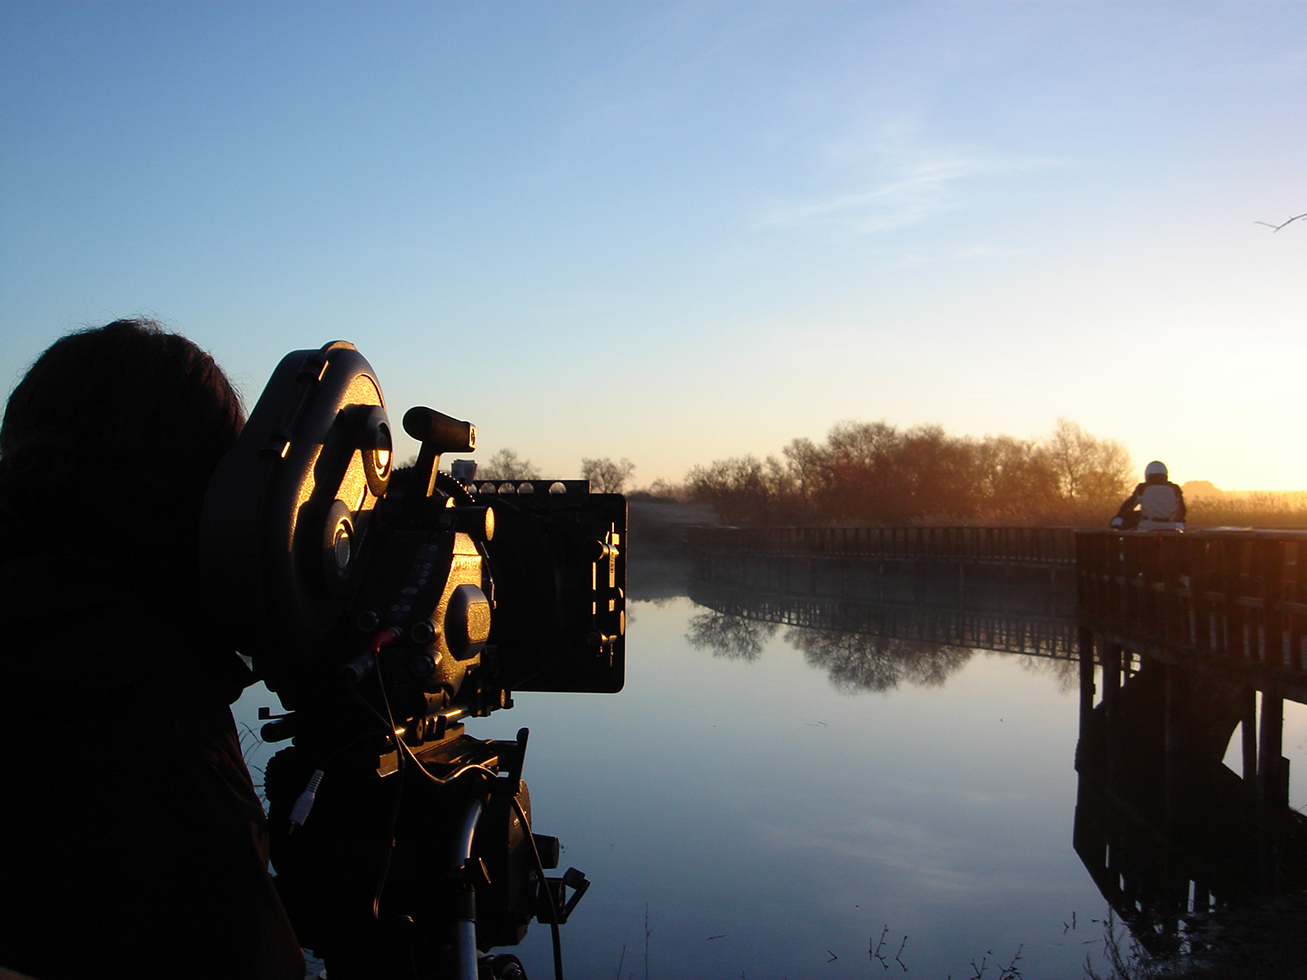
x=761 y=810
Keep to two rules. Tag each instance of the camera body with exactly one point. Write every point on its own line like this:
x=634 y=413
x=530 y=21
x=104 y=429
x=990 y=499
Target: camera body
x=385 y=607
x=312 y=545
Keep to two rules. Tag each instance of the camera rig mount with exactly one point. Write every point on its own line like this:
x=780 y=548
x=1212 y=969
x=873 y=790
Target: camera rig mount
x=386 y=606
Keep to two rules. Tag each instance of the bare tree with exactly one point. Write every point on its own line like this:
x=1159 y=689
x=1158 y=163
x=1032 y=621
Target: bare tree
x=667 y=490
x=1016 y=477
x=876 y=473
x=505 y=465
x=1088 y=469
x=605 y=476
x=736 y=488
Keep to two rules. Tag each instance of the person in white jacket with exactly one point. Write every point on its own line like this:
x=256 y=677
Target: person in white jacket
x=1156 y=505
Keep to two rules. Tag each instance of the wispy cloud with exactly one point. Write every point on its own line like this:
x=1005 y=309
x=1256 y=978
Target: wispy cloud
x=905 y=194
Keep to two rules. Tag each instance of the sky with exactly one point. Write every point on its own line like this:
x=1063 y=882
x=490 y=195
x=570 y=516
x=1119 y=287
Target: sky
x=677 y=232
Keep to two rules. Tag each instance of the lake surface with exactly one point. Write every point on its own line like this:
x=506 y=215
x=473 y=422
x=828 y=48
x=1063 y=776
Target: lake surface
x=769 y=801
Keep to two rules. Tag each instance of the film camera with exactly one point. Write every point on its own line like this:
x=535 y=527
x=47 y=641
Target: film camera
x=385 y=607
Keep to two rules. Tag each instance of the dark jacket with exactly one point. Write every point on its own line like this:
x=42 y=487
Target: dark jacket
x=132 y=842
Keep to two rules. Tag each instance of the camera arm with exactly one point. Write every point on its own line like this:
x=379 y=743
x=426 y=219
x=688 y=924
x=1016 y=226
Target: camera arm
x=438 y=433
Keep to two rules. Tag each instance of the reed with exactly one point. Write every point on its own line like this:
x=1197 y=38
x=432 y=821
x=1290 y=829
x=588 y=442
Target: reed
x=1262 y=510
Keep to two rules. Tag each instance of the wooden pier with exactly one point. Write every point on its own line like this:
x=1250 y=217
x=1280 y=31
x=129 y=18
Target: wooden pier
x=1005 y=575
x=1040 y=546
x=1228 y=601
x=1190 y=637
x=1006 y=589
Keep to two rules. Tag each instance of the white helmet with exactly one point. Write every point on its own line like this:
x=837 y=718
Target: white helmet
x=1155 y=468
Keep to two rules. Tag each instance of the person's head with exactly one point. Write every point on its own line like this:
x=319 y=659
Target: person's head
x=128 y=397
x=1155 y=472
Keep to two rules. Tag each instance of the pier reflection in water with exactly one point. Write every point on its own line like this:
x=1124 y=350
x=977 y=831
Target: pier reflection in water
x=1165 y=828
x=1180 y=844
x=793 y=784
x=872 y=624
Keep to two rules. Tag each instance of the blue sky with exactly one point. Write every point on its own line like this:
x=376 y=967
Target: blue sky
x=676 y=232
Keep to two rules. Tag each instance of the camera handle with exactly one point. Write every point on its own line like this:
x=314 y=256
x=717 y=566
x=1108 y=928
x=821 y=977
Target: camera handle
x=438 y=433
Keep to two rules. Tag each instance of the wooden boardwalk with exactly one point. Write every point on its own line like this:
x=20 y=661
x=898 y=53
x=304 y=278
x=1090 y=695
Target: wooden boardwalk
x=982 y=545
x=995 y=588
x=1187 y=639
x=1227 y=601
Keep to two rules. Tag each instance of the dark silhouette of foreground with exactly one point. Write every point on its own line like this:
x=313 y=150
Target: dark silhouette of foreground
x=132 y=842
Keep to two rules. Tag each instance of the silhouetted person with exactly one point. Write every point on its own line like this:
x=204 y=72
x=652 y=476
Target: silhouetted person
x=1156 y=505
x=132 y=843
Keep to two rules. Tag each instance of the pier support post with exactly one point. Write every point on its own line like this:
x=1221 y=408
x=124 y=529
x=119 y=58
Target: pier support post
x=1086 y=642
x=1111 y=663
x=1269 y=737
x=1248 y=733
x=1171 y=720
x=1271 y=786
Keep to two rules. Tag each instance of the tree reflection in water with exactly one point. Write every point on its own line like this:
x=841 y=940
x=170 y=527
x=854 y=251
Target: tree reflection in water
x=862 y=662
x=731 y=637
x=853 y=661
x=1066 y=673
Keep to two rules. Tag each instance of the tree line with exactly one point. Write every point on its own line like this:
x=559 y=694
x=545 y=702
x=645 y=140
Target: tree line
x=605 y=475
x=878 y=473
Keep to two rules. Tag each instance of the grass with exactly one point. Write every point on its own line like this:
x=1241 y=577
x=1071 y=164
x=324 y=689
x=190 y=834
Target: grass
x=1262 y=942
x=1267 y=510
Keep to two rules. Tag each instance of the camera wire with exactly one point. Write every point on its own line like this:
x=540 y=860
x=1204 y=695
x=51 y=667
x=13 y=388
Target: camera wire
x=405 y=755
x=544 y=884
x=379 y=641
x=388 y=725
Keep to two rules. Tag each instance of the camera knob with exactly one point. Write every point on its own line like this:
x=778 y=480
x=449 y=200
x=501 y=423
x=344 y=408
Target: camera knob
x=478 y=523
x=467 y=622
x=422 y=632
x=597 y=550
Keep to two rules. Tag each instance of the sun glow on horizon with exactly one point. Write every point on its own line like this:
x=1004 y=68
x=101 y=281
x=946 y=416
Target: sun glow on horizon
x=677 y=233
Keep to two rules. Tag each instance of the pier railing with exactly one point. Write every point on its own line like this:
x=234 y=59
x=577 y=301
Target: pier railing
x=1226 y=599
x=984 y=545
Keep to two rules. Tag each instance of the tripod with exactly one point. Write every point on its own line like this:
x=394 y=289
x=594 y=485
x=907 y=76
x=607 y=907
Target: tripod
x=401 y=864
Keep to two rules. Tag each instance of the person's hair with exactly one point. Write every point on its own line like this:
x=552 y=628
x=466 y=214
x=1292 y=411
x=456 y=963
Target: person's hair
x=127 y=397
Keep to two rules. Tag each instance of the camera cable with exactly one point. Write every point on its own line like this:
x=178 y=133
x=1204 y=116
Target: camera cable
x=544 y=885
x=403 y=758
